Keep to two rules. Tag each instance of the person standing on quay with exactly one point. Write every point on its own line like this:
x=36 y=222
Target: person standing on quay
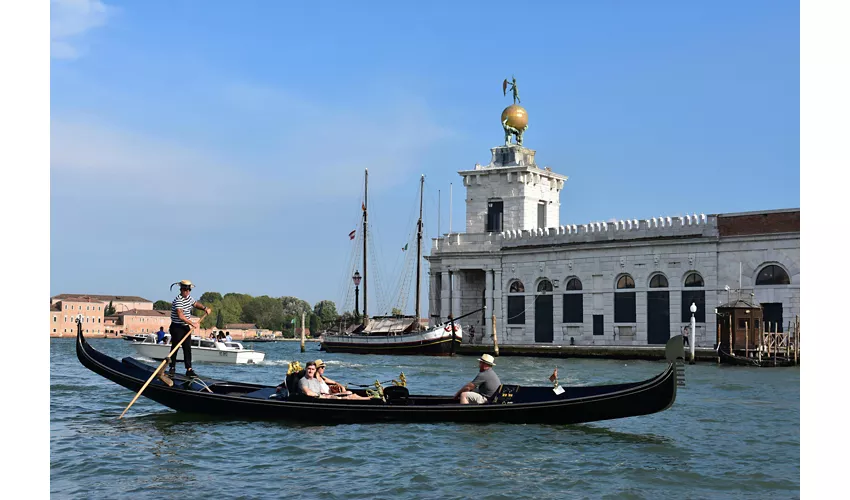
x=182 y=326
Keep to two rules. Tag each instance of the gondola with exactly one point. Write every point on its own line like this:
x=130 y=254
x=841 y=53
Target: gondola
x=511 y=404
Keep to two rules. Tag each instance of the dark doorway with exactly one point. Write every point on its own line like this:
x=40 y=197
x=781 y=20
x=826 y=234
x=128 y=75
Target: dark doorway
x=658 y=317
x=772 y=314
x=494 y=216
x=543 y=327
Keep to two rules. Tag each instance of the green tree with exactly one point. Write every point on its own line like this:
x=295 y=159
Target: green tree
x=209 y=298
x=230 y=308
x=219 y=320
x=240 y=298
x=110 y=310
x=396 y=311
x=160 y=305
x=315 y=326
x=265 y=311
x=326 y=311
x=293 y=306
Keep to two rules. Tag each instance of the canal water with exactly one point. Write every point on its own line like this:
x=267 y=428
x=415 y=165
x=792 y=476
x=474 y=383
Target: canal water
x=732 y=433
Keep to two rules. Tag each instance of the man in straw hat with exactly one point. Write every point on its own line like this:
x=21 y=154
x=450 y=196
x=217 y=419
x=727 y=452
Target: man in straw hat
x=181 y=325
x=483 y=386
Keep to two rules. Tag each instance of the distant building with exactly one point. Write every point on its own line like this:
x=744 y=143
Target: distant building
x=65 y=307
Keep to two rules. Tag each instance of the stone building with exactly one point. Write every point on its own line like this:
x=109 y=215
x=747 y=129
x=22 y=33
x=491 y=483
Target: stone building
x=627 y=282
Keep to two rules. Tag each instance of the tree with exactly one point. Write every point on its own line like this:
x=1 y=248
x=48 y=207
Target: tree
x=110 y=310
x=396 y=311
x=315 y=325
x=265 y=311
x=159 y=305
x=293 y=306
x=326 y=311
x=219 y=320
x=210 y=297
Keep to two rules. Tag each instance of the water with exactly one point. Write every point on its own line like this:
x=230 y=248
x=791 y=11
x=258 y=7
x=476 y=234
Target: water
x=732 y=433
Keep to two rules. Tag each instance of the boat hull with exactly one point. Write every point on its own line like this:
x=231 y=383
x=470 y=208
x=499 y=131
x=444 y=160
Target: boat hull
x=435 y=342
x=528 y=405
x=201 y=354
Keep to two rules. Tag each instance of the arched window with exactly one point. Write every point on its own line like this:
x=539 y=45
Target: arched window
x=516 y=303
x=625 y=303
x=694 y=279
x=625 y=281
x=573 y=302
x=773 y=275
x=544 y=286
x=658 y=281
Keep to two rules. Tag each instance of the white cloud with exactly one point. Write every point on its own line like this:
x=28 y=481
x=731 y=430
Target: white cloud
x=70 y=20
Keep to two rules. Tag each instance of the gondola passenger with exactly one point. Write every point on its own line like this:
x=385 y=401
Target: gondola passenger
x=309 y=384
x=326 y=383
x=483 y=386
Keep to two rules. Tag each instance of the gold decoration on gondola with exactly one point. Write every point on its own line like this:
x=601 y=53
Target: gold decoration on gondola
x=377 y=392
x=294 y=367
x=402 y=380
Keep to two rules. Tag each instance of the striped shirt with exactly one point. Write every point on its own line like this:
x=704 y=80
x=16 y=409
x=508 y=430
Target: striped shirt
x=181 y=303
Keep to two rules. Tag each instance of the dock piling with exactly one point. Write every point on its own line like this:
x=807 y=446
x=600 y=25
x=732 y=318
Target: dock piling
x=303 y=349
x=495 y=338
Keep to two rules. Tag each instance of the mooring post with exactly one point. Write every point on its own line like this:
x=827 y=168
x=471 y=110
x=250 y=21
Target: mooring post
x=495 y=339
x=775 y=336
x=746 y=339
x=303 y=349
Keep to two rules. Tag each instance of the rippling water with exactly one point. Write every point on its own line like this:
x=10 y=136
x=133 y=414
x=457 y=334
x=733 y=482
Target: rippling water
x=732 y=433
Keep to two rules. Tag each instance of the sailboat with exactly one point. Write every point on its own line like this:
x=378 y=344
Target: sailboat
x=396 y=335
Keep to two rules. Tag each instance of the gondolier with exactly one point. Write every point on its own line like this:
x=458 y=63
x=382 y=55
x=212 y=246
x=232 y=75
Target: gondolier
x=181 y=325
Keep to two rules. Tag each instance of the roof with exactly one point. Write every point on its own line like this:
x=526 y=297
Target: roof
x=739 y=304
x=241 y=326
x=144 y=312
x=103 y=298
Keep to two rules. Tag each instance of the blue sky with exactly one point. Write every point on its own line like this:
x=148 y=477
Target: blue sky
x=226 y=144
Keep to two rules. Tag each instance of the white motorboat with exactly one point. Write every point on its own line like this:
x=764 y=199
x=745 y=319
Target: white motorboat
x=203 y=351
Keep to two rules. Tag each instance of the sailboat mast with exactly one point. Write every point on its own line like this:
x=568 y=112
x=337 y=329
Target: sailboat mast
x=365 y=216
x=419 y=250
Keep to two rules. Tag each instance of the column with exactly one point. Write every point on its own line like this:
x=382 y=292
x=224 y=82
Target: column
x=501 y=328
x=456 y=312
x=488 y=301
x=445 y=282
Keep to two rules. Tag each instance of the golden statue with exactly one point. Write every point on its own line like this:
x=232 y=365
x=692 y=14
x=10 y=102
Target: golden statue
x=514 y=117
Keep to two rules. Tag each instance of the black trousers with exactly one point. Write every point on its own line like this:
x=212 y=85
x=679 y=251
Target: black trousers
x=177 y=332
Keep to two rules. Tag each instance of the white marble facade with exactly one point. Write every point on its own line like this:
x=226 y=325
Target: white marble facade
x=474 y=269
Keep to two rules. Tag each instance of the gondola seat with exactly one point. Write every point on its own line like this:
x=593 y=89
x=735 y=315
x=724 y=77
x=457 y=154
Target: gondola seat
x=397 y=395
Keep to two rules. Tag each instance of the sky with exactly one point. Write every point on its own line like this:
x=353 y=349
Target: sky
x=227 y=145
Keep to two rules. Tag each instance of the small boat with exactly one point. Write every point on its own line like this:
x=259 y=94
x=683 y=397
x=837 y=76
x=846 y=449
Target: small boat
x=138 y=337
x=397 y=334
x=436 y=341
x=203 y=351
x=510 y=404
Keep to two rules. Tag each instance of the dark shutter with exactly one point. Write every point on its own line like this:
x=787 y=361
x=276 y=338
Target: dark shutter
x=573 y=308
x=598 y=325
x=689 y=297
x=625 y=307
x=516 y=310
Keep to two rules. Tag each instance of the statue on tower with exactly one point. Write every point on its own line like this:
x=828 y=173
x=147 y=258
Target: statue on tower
x=514 y=117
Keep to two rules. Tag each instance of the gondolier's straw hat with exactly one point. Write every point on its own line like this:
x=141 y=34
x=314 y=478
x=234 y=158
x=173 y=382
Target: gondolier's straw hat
x=486 y=358
x=182 y=283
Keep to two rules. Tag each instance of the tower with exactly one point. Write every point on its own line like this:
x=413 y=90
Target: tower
x=512 y=192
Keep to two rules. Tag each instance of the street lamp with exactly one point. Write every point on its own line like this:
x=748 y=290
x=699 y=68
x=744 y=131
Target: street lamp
x=356 y=278
x=693 y=330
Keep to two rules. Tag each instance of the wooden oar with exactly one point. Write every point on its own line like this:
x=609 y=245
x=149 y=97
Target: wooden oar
x=161 y=365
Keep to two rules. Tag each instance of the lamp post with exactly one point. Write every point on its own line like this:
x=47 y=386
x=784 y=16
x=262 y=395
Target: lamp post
x=693 y=330
x=356 y=278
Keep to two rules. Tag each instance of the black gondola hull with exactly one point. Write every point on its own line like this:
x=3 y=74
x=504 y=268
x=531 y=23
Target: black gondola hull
x=530 y=404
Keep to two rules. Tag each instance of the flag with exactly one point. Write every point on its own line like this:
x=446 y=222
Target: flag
x=351 y=234
x=554 y=376
x=364 y=206
x=405 y=248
